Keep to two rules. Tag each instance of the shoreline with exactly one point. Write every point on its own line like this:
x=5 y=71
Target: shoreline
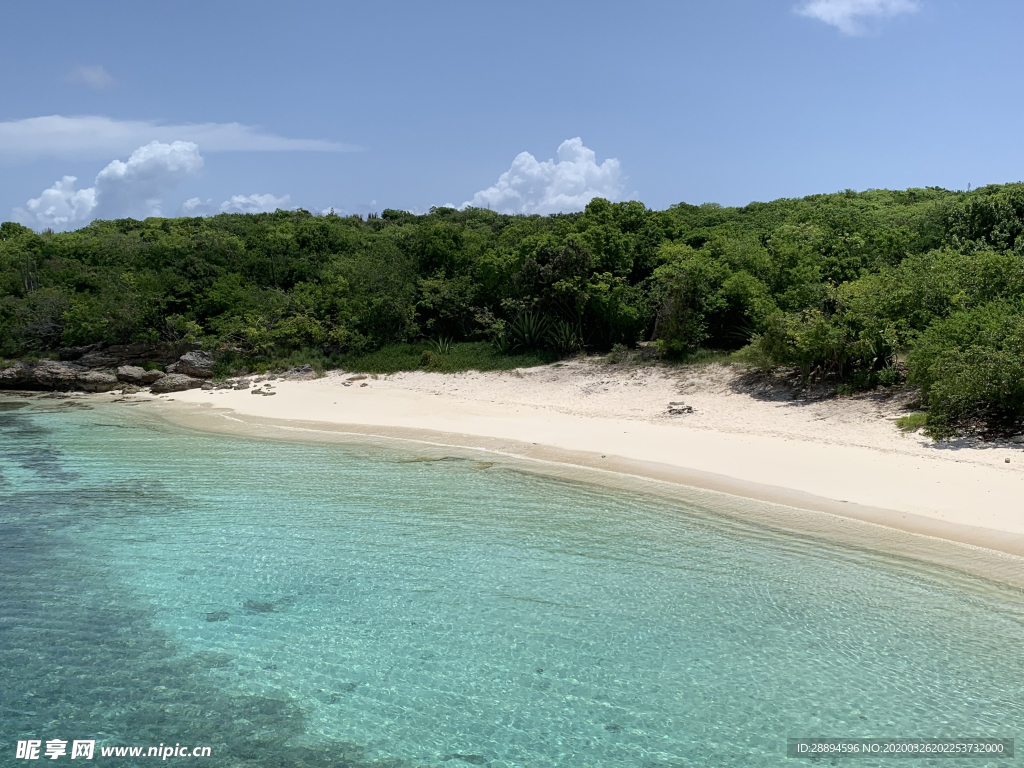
x=741 y=454
x=964 y=501
x=961 y=549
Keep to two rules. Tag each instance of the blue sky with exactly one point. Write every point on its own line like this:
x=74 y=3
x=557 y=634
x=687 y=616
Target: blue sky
x=408 y=105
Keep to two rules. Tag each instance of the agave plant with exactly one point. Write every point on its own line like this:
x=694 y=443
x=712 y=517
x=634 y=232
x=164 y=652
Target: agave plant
x=442 y=345
x=502 y=344
x=564 y=338
x=529 y=330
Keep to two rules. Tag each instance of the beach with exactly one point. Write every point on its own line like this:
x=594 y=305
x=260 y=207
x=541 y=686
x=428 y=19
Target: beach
x=745 y=436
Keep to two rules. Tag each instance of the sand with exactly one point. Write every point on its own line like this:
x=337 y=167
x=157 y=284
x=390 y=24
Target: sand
x=841 y=455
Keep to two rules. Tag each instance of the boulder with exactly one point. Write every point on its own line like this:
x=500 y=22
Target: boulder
x=150 y=376
x=17 y=376
x=175 y=382
x=131 y=374
x=94 y=381
x=50 y=374
x=196 y=363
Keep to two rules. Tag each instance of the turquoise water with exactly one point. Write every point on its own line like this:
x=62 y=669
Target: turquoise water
x=306 y=604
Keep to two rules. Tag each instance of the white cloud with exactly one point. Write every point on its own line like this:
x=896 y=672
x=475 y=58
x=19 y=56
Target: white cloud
x=123 y=189
x=98 y=137
x=59 y=207
x=853 y=17
x=236 y=204
x=530 y=186
x=95 y=76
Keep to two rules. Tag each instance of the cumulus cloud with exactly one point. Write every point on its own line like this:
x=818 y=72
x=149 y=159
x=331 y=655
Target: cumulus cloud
x=122 y=189
x=853 y=17
x=99 y=137
x=236 y=204
x=532 y=186
x=95 y=76
x=59 y=207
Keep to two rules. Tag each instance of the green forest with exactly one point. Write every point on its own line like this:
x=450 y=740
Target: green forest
x=923 y=286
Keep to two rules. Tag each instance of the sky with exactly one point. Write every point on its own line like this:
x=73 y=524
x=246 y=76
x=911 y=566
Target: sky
x=113 y=109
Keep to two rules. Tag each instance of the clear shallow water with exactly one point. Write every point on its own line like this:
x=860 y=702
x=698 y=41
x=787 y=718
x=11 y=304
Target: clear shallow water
x=294 y=604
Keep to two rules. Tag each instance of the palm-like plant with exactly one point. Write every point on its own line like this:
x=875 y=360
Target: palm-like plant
x=502 y=344
x=564 y=338
x=529 y=330
x=442 y=345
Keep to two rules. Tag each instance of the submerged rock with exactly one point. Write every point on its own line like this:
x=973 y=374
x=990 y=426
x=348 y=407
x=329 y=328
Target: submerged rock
x=256 y=606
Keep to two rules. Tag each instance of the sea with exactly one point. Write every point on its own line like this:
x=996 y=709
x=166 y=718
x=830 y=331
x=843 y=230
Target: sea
x=289 y=603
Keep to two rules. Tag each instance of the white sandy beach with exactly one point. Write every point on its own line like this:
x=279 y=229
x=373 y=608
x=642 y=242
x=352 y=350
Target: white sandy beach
x=844 y=456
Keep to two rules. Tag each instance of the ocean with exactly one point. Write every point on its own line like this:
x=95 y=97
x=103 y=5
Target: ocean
x=311 y=604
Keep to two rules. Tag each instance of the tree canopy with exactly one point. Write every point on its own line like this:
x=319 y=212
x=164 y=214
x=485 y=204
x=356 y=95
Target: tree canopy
x=840 y=286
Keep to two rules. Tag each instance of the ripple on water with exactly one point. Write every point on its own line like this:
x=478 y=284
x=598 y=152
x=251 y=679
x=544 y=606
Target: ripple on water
x=298 y=605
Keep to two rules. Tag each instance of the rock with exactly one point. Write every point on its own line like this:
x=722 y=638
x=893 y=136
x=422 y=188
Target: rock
x=196 y=363
x=60 y=376
x=131 y=374
x=150 y=376
x=130 y=389
x=17 y=376
x=471 y=759
x=175 y=382
x=74 y=353
x=94 y=381
x=244 y=384
x=207 y=385
x=300 y=373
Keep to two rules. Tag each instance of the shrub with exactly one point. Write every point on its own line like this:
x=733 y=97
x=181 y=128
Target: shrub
x=970 y=367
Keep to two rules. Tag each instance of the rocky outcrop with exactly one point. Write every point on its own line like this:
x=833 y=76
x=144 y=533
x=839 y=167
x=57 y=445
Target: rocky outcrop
x=195 y=363
x=114 y=355
x=17 y=376
x=94 y=381
x=175 y=382
x=56 y=375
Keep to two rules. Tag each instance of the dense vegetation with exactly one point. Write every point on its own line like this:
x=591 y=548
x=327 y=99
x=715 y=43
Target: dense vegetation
x=844 y=287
